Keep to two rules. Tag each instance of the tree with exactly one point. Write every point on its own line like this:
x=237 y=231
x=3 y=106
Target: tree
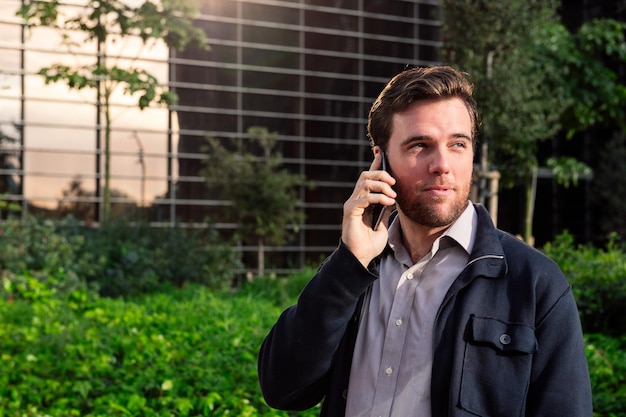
x=575 y=68
x=583 y=76
x=264 y=195
x=79 y=203
x=107 y=22
x=10 y=183
x=533 y=79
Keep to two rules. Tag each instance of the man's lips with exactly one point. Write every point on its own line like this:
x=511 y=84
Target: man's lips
x=438 y=190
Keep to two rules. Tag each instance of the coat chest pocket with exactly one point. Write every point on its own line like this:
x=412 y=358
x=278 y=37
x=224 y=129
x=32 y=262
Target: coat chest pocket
x=496 y=367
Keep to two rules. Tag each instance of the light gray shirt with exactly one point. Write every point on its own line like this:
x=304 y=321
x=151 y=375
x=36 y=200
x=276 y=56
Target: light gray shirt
x=391 y=366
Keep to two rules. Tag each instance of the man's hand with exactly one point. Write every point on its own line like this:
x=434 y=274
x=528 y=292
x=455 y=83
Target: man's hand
x=373 y=187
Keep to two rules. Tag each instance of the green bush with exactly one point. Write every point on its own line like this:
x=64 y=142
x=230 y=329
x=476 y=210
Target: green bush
x=116 y=259
x=138 y=259
x=607 y=363
x=188 y=352
x=32 y=244
x=281 y=292
x=598 y=278
x=32 y=249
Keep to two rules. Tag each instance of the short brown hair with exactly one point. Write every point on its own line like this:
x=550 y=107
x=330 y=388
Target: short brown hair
x=418 y=84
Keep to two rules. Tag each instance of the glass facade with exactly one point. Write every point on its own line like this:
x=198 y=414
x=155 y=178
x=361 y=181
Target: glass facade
x=56 y=134
x=306 y=69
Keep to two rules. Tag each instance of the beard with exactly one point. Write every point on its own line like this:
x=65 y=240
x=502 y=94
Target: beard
x=432 y=211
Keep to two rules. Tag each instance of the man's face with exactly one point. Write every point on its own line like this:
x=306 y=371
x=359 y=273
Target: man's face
x=431 y=156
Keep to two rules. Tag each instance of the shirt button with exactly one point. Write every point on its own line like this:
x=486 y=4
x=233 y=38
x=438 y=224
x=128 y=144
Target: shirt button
x=399 y=322
x=505 y=339
x=409 y=276
x=389 y=371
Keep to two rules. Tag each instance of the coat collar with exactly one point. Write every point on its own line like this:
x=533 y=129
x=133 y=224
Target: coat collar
x=487 y=258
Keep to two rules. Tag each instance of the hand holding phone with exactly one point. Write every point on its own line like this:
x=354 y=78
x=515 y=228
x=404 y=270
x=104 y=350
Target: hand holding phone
x=361 y=213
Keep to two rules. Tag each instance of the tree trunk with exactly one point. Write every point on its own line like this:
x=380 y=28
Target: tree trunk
x=261 y=258
x=484 y=146
x=484 y=168
x=531 y=192
x=106 y=209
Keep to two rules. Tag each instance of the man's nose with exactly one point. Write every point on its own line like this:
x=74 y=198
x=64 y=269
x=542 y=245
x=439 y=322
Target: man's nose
x=440 y=162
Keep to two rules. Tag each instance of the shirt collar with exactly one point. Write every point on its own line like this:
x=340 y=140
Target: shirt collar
x=462 y=231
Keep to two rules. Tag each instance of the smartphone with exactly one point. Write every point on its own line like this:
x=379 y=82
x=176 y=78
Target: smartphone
x=378 y=210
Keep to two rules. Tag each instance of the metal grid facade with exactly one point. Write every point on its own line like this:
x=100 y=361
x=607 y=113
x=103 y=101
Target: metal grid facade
x=308 y=70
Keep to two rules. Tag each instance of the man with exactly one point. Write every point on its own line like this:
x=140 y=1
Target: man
x=436 y=312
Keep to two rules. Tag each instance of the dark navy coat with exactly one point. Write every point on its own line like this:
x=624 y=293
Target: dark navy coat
x=507 y=337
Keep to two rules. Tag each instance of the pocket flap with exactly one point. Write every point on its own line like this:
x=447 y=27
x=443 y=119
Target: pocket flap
x=503 y=336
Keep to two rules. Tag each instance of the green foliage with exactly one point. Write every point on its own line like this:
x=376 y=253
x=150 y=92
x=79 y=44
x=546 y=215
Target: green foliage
x=34 y=250
x=580 y=72
x=117 y=259
x=607 y=363
x=264 y=195
x=8 y=206
x=188 y=352
x=568 y=170
x=280 y=292
x=9 y=160
x=598 y=278
x=138 y=259
x=169 y=20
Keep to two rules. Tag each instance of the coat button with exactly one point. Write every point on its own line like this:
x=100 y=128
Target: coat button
x=505 y=339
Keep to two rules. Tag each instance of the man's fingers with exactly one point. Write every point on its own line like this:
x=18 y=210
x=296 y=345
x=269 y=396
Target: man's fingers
x=377 y=162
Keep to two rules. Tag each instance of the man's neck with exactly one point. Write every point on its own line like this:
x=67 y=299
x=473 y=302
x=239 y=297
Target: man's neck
x=418 y=239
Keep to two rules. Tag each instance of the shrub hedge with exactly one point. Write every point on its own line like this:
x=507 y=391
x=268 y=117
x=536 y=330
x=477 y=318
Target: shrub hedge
x=187 y=352
x=598 y=278
x=116 y=259
x=607 y=363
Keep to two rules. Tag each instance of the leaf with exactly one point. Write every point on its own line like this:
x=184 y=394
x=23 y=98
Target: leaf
x=568 y=170
x=83 y=388
x=39 y=13
x=167 y=385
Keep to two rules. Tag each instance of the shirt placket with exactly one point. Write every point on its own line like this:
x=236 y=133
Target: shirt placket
x=395 y=335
